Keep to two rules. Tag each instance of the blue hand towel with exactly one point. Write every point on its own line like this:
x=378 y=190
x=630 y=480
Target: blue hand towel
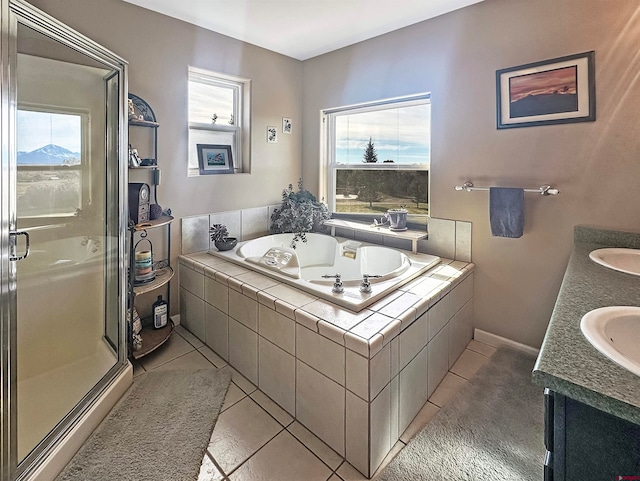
x=506 y=211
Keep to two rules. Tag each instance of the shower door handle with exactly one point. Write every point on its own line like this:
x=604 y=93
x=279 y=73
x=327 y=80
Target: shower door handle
x=14 y=235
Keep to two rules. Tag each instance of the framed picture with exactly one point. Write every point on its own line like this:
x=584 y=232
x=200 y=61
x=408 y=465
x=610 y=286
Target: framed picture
x=556 y=91
x=215 y=159
x=272 y=135
x=286 y=125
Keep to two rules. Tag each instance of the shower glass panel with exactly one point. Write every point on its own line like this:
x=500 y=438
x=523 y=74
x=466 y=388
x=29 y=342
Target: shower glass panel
x=66 y=198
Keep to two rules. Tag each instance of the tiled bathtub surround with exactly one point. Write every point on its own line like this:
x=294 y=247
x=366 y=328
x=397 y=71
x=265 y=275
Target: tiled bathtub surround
x=356 y=380
x=447 y=238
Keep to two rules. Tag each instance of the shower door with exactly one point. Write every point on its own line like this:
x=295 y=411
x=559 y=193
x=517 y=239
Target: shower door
x=63 y=230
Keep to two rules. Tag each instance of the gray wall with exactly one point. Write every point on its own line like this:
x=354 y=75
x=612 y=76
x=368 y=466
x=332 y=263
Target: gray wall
x=159 y=50
x=454 y=57
x=596 y=165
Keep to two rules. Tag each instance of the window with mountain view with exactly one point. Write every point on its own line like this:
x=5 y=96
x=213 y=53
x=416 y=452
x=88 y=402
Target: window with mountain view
x=49 y=163
x=378 y=156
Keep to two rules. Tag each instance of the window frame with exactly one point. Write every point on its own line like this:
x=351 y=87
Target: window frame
x=329 y=166
x=84 y=167
x=241 y=88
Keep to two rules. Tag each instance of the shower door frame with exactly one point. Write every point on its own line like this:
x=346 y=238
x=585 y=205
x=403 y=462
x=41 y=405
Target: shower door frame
x=12 y=12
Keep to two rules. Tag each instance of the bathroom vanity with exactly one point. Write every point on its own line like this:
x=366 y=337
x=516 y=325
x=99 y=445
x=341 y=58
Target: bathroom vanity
x=592 y=421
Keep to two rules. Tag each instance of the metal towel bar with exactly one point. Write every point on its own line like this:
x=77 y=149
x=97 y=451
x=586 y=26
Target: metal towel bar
x=542 y=190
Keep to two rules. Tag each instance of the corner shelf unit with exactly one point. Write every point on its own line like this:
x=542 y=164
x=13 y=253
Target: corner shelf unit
x=152 y=338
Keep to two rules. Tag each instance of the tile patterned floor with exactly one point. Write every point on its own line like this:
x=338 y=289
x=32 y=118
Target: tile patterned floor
x=254 y=439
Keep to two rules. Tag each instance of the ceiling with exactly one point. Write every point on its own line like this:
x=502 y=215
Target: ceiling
x=302 y=29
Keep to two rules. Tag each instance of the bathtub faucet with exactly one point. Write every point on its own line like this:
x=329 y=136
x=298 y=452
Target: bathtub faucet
x=365 y=285
x=337 y=284
x=92 y=243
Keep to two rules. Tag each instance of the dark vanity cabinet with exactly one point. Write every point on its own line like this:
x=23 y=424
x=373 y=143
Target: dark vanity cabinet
x=586 y=444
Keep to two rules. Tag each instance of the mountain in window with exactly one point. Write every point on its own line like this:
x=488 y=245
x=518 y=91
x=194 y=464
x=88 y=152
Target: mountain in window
x=49 y=155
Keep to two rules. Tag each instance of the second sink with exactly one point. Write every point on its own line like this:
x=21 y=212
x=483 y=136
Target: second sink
x=623 y=260
x=615 y=332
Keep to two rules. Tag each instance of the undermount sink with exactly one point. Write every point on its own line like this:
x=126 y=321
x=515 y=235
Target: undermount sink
x=623 y=260
x=615 y=332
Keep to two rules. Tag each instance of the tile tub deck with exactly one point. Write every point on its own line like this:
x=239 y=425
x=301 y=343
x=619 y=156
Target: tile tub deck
x=356 y=380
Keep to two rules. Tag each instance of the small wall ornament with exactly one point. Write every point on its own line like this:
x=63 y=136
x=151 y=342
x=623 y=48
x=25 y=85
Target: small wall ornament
x=286 y=125
x=272 y=135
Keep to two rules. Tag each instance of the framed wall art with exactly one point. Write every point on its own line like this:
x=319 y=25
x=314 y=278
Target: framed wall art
x=272 y=135
x=286 y=125
x=215 y=159
x=555 y=91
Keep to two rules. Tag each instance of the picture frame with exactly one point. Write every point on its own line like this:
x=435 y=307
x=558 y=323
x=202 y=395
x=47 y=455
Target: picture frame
x=286 y=125
x=272 y=135
x=214 y=159
x=555 y=91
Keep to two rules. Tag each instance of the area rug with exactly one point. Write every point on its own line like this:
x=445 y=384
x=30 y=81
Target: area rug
x=159 y=430
x=492 y=431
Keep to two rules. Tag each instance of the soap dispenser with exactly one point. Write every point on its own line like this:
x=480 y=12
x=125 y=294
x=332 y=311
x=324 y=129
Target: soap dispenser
x=160 y=313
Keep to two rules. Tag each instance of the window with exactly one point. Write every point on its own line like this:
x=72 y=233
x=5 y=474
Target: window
x=377 y=156
x=219 y=115
x=52 y=162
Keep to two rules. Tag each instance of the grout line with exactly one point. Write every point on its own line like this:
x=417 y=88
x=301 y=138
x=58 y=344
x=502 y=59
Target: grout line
x=207 y=453
x=258 y=450
x=311 y=450
x=176 y=358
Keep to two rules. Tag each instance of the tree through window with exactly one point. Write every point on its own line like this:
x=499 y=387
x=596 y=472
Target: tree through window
x=378 y=156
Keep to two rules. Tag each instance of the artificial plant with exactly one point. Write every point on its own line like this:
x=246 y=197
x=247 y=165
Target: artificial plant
x=299 y=213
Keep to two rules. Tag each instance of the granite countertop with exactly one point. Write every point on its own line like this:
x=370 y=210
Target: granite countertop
x=567 y=362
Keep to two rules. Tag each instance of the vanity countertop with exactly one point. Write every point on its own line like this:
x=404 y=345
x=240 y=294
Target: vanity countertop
x=567 y=362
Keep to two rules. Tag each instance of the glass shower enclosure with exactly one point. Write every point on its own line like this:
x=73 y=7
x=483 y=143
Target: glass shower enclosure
x=62 y=244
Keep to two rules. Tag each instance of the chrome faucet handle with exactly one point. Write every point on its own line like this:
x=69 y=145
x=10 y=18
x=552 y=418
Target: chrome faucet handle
x=337 y=285
x=365 y=285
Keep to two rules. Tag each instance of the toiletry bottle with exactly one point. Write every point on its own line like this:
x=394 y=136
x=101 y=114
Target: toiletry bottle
x=159 y=313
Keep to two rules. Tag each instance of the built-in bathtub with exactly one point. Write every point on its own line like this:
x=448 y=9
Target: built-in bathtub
x=354 y=379
x=312 y=266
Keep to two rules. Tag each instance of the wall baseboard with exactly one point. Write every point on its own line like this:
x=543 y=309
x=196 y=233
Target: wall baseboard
x=497 y=341
x=176 y=319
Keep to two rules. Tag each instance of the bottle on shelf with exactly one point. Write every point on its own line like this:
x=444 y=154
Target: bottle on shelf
x=160 y=313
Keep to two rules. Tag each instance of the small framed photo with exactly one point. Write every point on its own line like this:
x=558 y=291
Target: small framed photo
x=555 y=91
x=286 y=125
x=272 y=135
x=214 y=159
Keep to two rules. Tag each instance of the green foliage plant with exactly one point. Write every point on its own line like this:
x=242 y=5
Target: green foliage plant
x=299 y=213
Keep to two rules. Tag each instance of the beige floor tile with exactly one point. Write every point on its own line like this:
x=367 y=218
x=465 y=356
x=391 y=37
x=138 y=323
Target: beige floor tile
x=282 y=416
x=349 y=473
x=190 y=338
x=319 y=448
x=282 y=459
x=334 y=477
x=234 y=395
x=481 y=348
x=422 y=418
x=468 y=364
x=216 y=360
x=389 y=457
x=175 y=347
x=240 y=432
x=447 y=389
x=192 y=360
x=208 y=470
x=242 y=382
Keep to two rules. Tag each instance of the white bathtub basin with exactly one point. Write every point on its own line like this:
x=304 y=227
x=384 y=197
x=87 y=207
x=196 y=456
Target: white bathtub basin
x=618 y=259
x=322 y=255
x=615 y=332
